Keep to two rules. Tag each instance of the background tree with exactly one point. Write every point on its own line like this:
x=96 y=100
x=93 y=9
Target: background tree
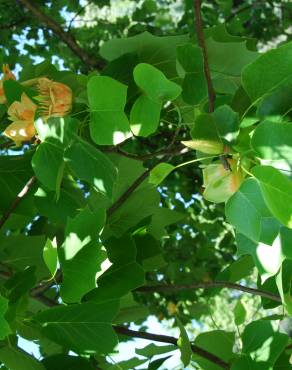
x=109 y=186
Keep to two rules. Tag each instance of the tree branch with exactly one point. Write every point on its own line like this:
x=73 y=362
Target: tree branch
x=202 y=44
x=24 y=191
x=12 y=24
x=209 y=285
x=128 y=192
x=66 y=37
x=179 y=150
x=172 y=340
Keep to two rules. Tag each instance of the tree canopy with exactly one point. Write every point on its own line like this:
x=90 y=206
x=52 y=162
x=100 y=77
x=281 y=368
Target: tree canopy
x=145 y=160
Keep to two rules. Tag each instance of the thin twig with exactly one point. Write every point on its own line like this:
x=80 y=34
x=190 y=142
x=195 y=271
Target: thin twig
x=66 y=37
x=235 y=12
x=178 y=150
x=128 y=192
x=12 y=24
x=172 y=340
x=42 y=288
x=209 y=285
x=202 y=44
x=140 y=179
x=76 y=15
x=24 y=191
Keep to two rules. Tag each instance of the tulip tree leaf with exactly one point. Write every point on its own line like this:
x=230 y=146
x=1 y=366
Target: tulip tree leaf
x=267 y=258
x=55 y=134
x=4 y=326
x=239 y=313
x=50 y=256
x=273 y=141
x=160 y=51
x=247 y=211
x=144 y=116
x=107 y=98
x=31 y=253
x=99 y=171
x=284 y=284
x=81 y=254
x=261 y=342
x=154 y=83
x=268 y=72
x=16 y=359
x=277 y=192
x=205 y=135
x=160 y=172
x=227 y=123
x=145 y=113
x=194 y=85
x=81 y=327
x=218 y=342
x=124 y=275
x=184 y=344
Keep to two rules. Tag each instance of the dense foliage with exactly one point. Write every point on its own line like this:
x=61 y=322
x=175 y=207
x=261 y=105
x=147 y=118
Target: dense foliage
x=146 y=171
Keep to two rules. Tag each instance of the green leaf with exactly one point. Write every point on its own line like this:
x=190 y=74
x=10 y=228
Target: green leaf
x=194 y=85
x=284 y=284
x=92 y=166
x=48 y=164
x=107 y=98
x=246 y=210
x=50 y=256
x=267 y=258
x=81 y=254
x=261 y=341
x=48 y=160
x=205 y=135
x=124 y=275
x=277 y=102
x=226 y=62
x=245 y=362
x=154 y=365
x=161 y=218
x=149 y=252
x=272 y=141
x=71 y=200
x=30 y=253
x=237 y=270
x=286 y=240
x=20 y=284
x=66 y=362
x=17 y=359
x=13 y=91
x=219 y=343
x=269 y=71
x=277 y=192
x=227 y=123
x=152 y=350
x=159 y=51
x=130 y=310
x=4 y=326
x=144 y=116
x=81 y=327
x=154 y=83
x=160 y=172
x=239 y=313
x=184 y=344
x=15 y=171
x=127 y=364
